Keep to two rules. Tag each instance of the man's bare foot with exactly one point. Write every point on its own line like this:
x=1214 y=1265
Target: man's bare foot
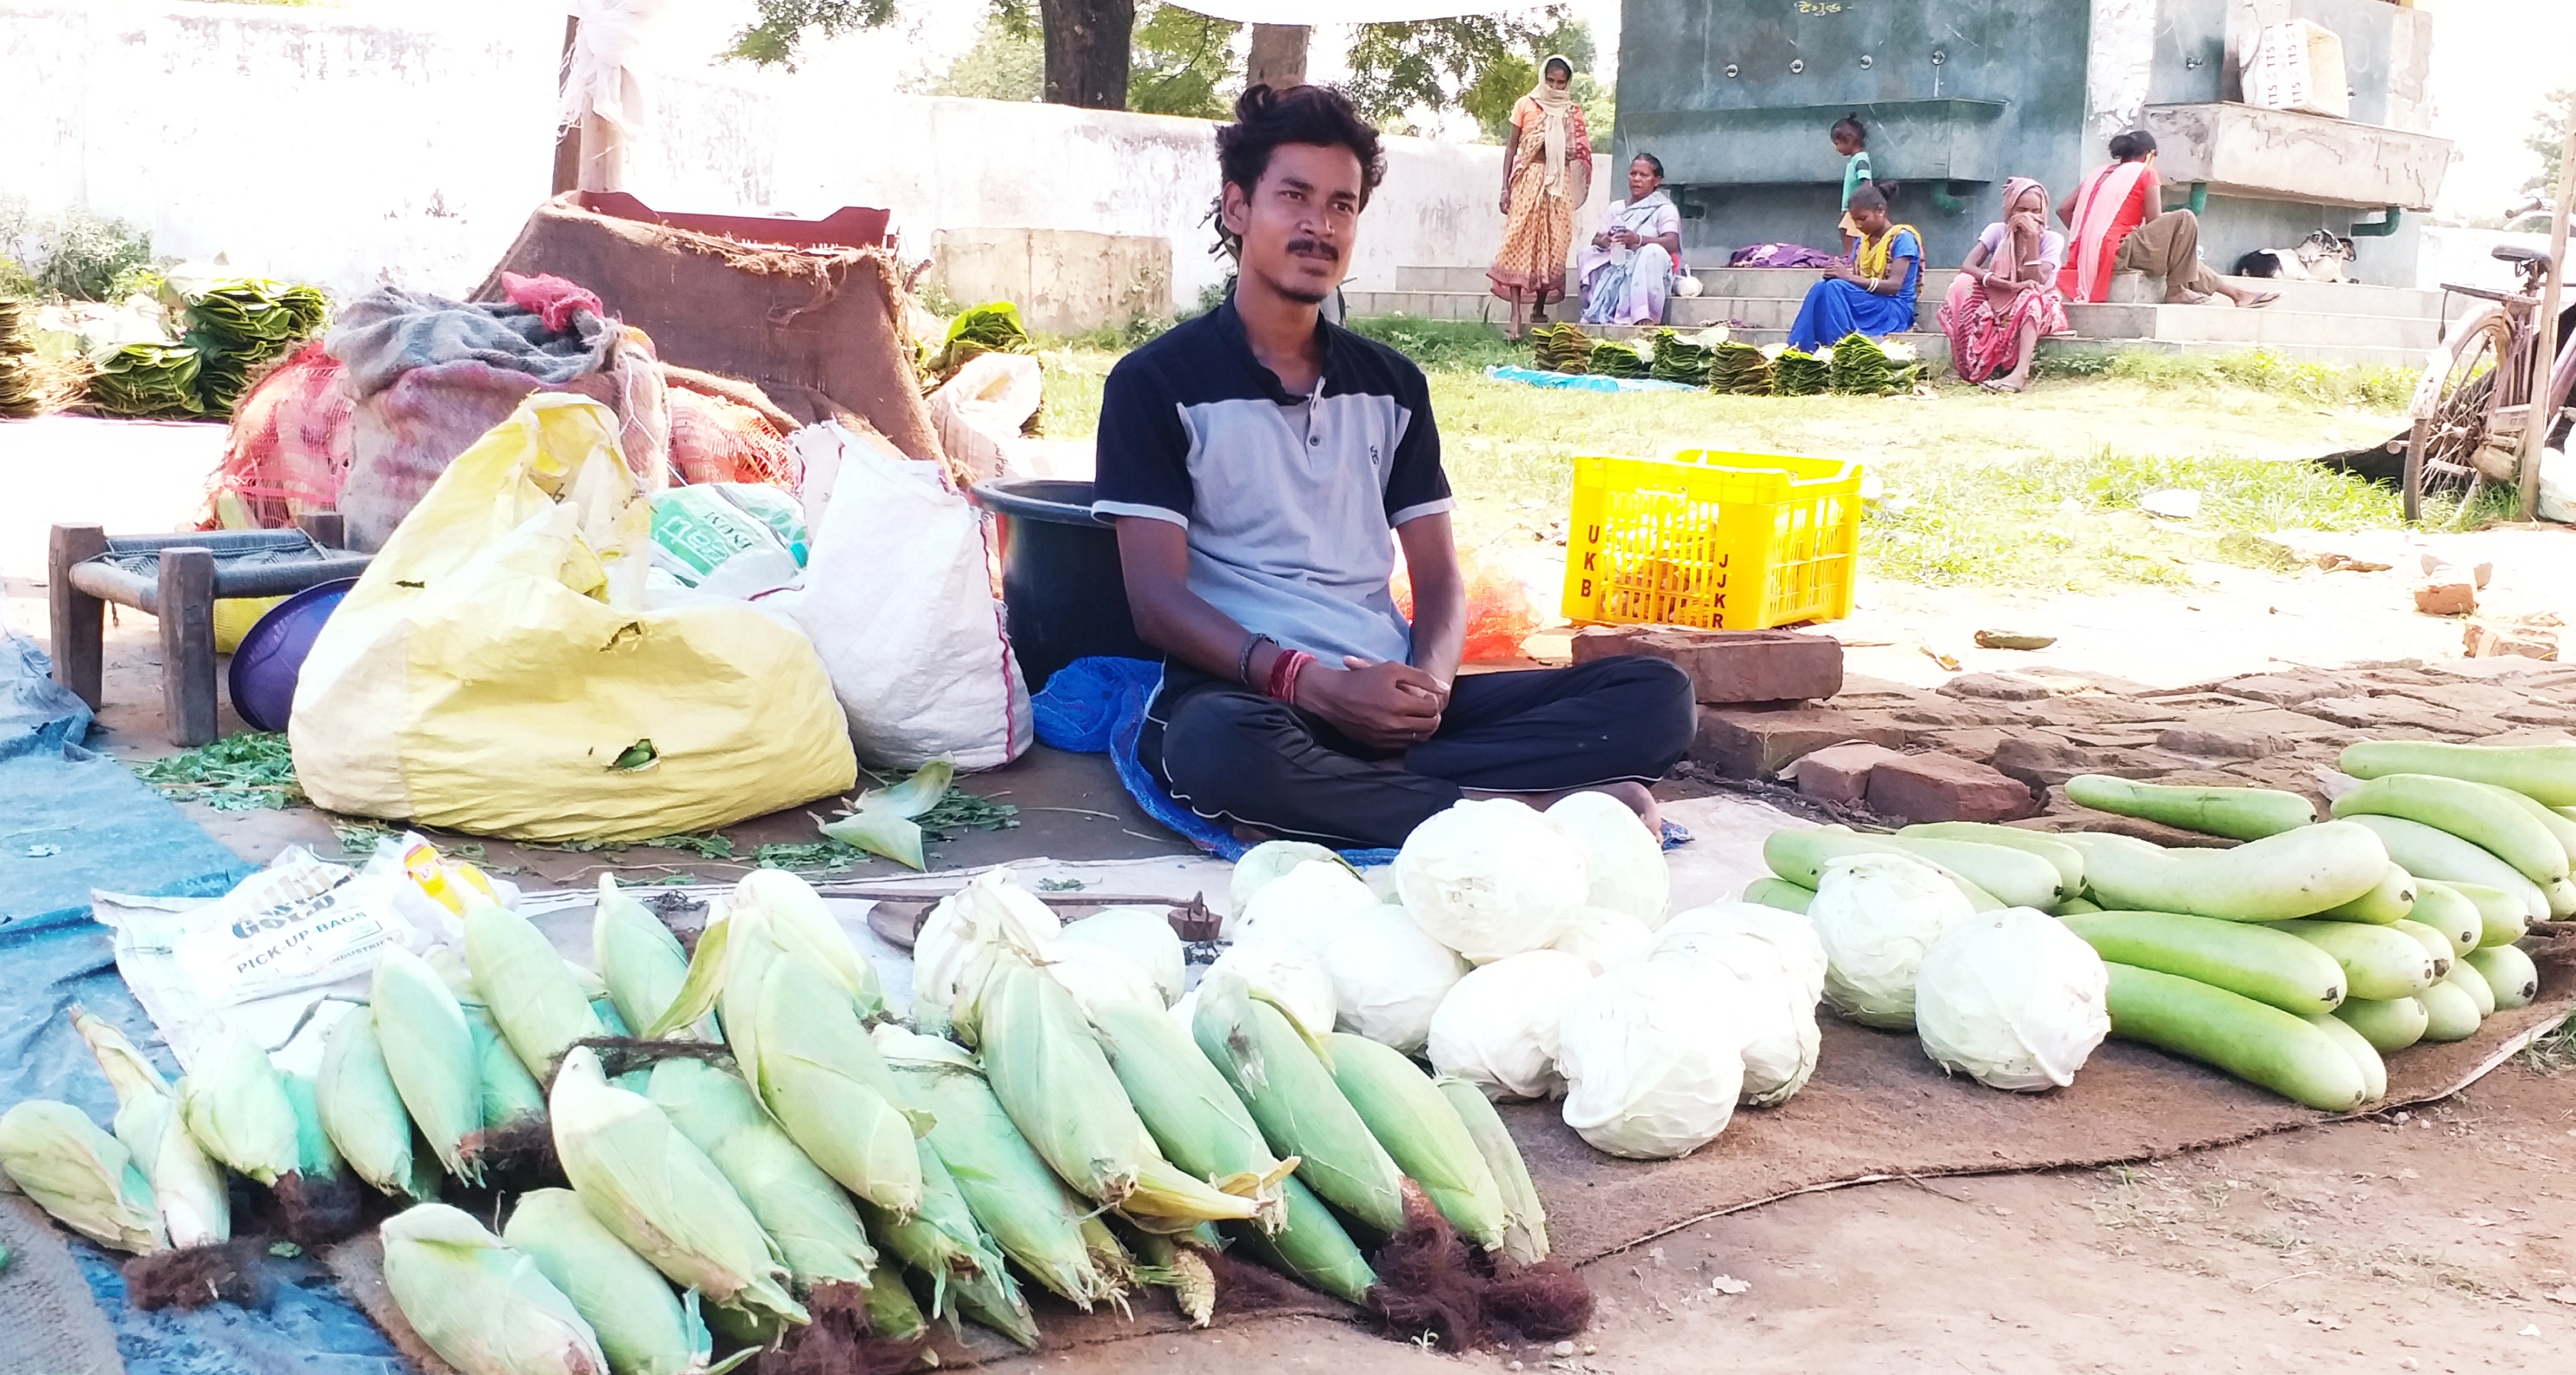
x=2186 y=298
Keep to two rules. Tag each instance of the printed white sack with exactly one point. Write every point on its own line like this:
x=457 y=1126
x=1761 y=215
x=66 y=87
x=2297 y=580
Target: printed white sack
x=299 y=923
x=898 y=600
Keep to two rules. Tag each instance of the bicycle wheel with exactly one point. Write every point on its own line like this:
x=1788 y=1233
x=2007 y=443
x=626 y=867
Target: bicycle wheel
x=2463 y=404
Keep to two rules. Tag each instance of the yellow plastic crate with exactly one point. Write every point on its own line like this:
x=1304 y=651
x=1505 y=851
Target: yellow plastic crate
x=1722 y=541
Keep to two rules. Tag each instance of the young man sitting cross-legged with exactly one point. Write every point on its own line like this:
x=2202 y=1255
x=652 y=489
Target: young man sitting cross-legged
x=1261 y=466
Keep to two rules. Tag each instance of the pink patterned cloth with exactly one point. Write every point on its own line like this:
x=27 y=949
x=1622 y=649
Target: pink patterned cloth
x=1985 y=340
x=551 y=299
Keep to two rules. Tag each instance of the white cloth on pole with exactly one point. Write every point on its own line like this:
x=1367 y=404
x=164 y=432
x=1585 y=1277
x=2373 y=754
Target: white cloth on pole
x=600 y=74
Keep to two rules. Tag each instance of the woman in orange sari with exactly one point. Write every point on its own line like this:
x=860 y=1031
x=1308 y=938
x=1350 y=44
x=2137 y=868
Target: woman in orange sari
x=1547 y=175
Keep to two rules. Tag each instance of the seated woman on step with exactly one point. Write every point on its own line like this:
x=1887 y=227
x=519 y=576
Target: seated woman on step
x=2005 y=298
x=1629 y=268
x=1875 y=295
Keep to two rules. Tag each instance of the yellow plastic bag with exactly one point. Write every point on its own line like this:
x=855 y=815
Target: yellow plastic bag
x=496 y=670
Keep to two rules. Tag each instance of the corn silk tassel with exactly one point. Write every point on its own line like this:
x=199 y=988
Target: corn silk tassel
x=660 y=1194
x=484 y=1308
x=187 y=1187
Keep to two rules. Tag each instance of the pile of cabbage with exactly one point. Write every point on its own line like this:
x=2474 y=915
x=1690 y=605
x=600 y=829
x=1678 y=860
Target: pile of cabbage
x=2010 y=997
x=1536 y=955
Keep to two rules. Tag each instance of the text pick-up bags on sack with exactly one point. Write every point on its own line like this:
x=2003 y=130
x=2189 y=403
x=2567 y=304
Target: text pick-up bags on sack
x=496 y=671
x=898 y=599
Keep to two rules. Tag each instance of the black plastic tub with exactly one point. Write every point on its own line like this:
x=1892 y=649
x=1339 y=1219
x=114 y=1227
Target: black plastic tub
x=1063 y=594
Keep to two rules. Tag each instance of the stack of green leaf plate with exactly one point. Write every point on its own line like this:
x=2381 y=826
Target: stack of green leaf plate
x=19 y=394
x=1796 y=372
x=1861 y=368
x=240 y=324
x=1679 y=360
x=1561 y=348
x=1739 y=369
x=146 y=379
x=1610 y=358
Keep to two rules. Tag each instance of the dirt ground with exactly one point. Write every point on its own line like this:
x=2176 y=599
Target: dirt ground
x=2443 y=1240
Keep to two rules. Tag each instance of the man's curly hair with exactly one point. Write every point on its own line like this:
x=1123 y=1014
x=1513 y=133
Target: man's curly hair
x=1264 y=118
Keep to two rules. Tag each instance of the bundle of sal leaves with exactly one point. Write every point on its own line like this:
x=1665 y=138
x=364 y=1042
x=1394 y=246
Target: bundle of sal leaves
x=1796 y=372
x=20 y=393
x=1739 y=369
x=1610 y=358
x=993 y=327
x=1561 y=348
x=235 y=327
x=1683 y=360
x=1862 y=366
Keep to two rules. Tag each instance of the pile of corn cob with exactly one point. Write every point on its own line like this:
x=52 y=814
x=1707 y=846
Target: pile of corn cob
x=788 y=1148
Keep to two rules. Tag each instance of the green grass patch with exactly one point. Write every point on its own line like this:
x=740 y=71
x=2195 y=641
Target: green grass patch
x=2378 y=386
x=2072 y=521
x=1441 y=344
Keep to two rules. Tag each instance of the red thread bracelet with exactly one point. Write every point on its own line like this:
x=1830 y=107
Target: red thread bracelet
x=1295 y=669
x=1283 y=673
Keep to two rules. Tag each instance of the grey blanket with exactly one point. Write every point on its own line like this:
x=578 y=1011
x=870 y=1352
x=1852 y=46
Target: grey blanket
x=386 y=333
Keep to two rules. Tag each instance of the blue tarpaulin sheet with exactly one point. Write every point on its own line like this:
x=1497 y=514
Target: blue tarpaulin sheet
x=70 y=821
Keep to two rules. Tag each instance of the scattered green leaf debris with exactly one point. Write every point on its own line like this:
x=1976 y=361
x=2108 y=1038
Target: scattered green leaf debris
x=239 y=773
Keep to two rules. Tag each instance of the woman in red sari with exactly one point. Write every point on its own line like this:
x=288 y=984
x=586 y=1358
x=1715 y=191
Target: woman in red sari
x=2005 y=298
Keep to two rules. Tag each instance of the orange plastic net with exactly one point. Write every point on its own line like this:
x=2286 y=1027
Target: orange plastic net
x=289 y=447
x=1499 y=615
x=716 y=439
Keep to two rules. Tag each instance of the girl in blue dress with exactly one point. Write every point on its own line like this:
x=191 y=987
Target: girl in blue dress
x=1875 y=295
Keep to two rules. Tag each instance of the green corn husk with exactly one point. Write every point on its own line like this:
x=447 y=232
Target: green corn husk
x=315 y=1157
x=1739 y=369
x=804 y=1051
x=813 y=1223
x=362 y=1112
x=1027 y=1211
x=1312 y=1248
x=944 y=1242
x=187 y=1188
x=643 y=1328
x=1524 y=1217
x=82 y=1176
x=509 y=1094
x=536 y=1002
x=237 y=1109
x=428 y=1049
x=1796 y=372
x=800 y=921
x=483 y=1307
x=1188 y=1107
x=1052 y=1078
x=822 y=1078
x=1285 y=1079
x=660 y=1194
x=1422 y=1132
x=892 y=1311
x=639 y=959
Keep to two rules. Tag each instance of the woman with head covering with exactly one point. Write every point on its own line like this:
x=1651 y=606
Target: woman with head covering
x=1875 y=295
x=1629 y=268
x=1547 y=174
x=2005 y=297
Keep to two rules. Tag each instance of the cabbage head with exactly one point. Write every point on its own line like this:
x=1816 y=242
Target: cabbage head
x=1490 y=878
x=1288 y=972
x=2012 y=999
x=1498 y=1027
x=1267 y=863
x=1653 y=1065
x=1623 y=861
x=1389 y=977
x=1304 y=905
x=1875 y=916
x=1605 y=939
x=1141 y=935
x=1709 y=932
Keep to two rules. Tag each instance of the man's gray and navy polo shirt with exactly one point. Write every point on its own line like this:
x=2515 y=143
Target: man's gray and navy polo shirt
x=1289 y=500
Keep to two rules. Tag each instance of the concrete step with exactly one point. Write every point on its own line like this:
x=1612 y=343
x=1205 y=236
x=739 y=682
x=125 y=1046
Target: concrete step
x=1769 y=283
x=2273 y=326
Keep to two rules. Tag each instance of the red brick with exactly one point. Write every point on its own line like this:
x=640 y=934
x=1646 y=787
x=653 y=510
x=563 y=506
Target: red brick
x=1840 y=773
x=2446 y=598
x=1729 y=666
x=1944 y=787
x=1757 y=742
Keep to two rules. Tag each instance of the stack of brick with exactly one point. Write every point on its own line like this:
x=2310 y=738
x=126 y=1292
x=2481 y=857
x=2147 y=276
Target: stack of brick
x=1776 y=705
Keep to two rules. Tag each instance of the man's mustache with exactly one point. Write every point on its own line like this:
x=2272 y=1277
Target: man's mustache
x=1324 y=250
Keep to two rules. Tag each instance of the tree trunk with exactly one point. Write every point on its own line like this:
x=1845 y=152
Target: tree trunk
x=1087 y=51
x=1278 y=56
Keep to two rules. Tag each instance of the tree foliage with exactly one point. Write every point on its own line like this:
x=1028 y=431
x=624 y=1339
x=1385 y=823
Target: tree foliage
x=2549 y=140
x=784 y=23
x=1436 y=63
x=1008 y=62
x=1183 y=64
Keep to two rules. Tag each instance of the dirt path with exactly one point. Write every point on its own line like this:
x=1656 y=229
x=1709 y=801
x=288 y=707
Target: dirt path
x=2431 y=1243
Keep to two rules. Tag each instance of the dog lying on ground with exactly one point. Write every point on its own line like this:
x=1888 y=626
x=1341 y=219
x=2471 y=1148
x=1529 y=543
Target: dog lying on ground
x=2320 y=257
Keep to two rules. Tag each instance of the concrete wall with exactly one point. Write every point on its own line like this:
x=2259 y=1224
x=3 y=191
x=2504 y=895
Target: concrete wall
x=352 y=152
x=1820 y=59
